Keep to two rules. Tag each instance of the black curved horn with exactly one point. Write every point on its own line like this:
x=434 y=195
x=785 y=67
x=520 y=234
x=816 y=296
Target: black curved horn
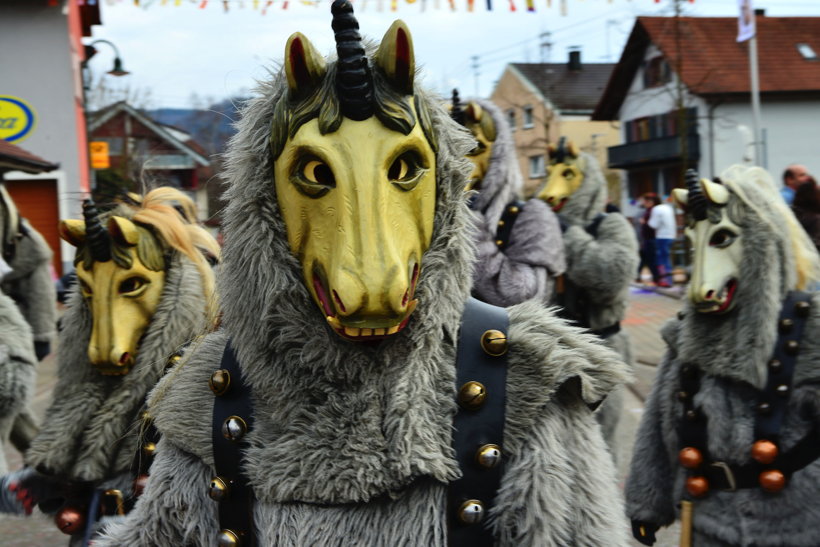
x=696 y=203
x=96 y=236
x=456 y=112
x=353 y=79
x=560 y=153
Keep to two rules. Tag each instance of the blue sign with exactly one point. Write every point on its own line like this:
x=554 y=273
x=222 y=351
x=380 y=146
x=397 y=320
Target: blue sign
x=17 y=119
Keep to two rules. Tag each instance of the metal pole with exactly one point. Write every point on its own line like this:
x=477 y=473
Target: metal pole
x=755 y=100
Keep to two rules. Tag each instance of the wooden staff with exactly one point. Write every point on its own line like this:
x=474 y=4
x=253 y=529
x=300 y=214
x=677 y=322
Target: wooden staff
x=686 y=510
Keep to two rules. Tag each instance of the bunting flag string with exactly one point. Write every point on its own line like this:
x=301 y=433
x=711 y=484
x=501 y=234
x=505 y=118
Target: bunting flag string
x=265 y=5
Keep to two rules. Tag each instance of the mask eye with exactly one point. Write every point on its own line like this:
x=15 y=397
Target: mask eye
x=406 y=170
x=85 y=288
x=722 y=238
x=568 y=174
x=313 y=177
x=478 y=149
x=132 y=285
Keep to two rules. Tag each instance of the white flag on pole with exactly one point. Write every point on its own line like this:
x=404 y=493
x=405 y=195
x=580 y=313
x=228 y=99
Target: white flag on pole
x=745 y=21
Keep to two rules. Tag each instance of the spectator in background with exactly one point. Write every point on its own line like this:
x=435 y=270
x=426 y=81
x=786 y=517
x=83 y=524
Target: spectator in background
x=806 y=207
x=647 y=235
x=793 y=176
x=662 y=220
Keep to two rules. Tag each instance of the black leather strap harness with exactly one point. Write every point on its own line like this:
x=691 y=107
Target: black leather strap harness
x=481 y=377
x=506 y=223
x=771 y=411
x=479 y=423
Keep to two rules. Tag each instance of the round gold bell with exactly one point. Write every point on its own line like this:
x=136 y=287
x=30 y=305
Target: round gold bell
x=219 y=490
x=220 y=382
x=173 y=360
x=471 y=512
x=764 y=451
x=148 y=449
x=234 y=428
x=690 y=457
x=697 y=486
x=228 y=538
x=488 y=456
x=772 y=480
x=494 y=342
x=472 y=395
x=70 y=520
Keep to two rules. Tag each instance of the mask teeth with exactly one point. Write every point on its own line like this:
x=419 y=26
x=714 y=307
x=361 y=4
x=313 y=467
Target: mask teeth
x=353 y=80
x=696 y=203
x=457 y=113
x=97 y=237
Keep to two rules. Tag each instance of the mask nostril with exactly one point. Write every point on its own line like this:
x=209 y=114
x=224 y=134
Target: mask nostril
x=338 y=301
x=710 y=294
x=124 y=358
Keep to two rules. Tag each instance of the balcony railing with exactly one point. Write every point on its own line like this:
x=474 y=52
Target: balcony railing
x=660 y=150
x=169 y=161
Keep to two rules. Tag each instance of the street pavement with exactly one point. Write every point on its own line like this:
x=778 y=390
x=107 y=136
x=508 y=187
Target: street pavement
x=648 y=309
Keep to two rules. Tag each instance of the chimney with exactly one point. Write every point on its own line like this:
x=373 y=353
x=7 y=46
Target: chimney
x=574 y=63
x=760 y=12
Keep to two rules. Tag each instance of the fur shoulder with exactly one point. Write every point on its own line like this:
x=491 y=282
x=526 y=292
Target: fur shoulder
x=546 y=352
x=181 y=404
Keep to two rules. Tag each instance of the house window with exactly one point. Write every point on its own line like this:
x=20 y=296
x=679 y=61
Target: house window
x=511 y=119
x=656 y=72
x=529 y=122
x=807 y=52
x=537 y=166
x=114 y=144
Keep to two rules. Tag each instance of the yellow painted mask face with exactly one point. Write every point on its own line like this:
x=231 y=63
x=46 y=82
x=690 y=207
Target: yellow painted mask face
x=564 y=175
x=483 y=129
x=122 y=300
x=358 y=204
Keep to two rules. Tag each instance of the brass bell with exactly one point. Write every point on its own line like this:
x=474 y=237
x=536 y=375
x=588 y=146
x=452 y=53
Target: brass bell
x=772 y=480
x=775 y=365
x=802 y=309
x=488 y=456
x=145 y=416
x=764 y=452
x=234 y=428
x=690 y=457
x=786 y=325
x=501 y=223
x=472 y=395
x=782 y=390
x=471 y=512
x=219 y=490
x=148 y=449
x=514 y=210
x=139 y=484
x=499 y=242
x=70 y=520
x=228 y=538
x=791 y=347
x=697 y=486
x=220 y=382
x=173 y=360
x=494 y=342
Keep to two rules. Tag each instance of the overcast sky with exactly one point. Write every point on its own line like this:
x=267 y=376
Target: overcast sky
x=177 y=51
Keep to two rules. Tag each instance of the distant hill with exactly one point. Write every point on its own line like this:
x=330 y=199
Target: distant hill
x=210 y=128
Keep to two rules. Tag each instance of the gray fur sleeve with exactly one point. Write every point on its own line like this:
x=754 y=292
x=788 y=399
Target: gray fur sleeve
x=650 y=482
x=559 y=485
x=17 y=360
x=37 y=287
x=526 y=267
x=604 y=266
x=170 y=511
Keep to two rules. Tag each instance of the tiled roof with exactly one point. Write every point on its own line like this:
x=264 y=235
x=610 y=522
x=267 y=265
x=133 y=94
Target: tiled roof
x=714 y=63
x=12 y=157
x=567 y=89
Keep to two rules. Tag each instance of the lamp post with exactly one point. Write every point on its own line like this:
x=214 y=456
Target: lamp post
x=116 y=70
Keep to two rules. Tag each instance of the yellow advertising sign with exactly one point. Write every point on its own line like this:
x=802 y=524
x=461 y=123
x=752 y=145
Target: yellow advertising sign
x=99 y=155
x=17 y=119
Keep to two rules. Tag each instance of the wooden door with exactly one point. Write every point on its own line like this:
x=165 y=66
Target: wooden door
x=36 y=199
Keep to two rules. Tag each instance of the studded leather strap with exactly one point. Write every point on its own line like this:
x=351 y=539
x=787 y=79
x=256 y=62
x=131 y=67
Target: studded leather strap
x=236 y=506
x=506 y=223
x=478 y=427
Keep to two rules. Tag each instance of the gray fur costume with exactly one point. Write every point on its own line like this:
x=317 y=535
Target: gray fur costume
x=17 y=369
x=534 y=253
x=29 y=283
x=351 y=443
x=90 y=431
x=603 y=266
x=732 y=351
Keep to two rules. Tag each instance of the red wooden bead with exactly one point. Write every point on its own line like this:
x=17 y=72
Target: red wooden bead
x=697 y=486
x=772 y=480
x=70 y=520
x=764 y=451
x=690 y=458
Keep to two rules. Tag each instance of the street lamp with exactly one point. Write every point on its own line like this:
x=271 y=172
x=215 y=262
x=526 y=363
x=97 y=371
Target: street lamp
x=90 y=51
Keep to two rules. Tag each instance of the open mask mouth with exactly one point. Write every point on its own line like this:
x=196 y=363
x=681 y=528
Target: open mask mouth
x=722 y=302
x=367 y=329
x=556 y=207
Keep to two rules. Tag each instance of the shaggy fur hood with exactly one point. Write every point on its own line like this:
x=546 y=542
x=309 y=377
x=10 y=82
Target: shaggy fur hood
x=590 y=198
x=89 y=431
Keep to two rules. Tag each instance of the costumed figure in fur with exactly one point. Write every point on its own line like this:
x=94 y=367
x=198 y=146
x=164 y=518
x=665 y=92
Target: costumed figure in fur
x=17 y=370
x=144 y=289
x=602 y=255
x=519 y=247
x=730 y=433
x=324 y=407
x=29 y=281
